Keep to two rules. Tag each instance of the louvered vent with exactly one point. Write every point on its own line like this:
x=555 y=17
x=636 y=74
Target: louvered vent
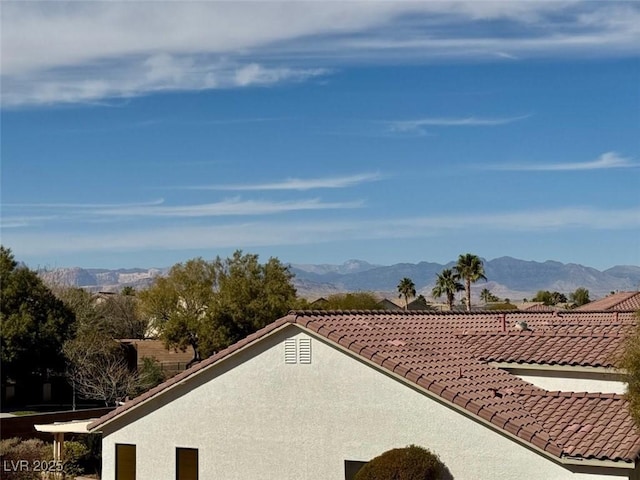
x=290 y=353
x=305 y=350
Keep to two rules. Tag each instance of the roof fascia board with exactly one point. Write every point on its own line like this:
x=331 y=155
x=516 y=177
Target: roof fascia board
x=560 y=460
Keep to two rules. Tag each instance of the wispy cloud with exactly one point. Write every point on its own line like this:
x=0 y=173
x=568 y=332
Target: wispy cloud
x=259 y=234
x=74 y=206
x=232 y=207
x=607 y=160
x=417 y=126
x=296 y=183
x=133 y=77
x=97 y=50
x=69 y=212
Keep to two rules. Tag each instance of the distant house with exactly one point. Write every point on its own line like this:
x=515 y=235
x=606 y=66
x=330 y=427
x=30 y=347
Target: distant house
x=536 y=307
x=172 y=361
x=416 y=304
x=621 y=302
x=315 y=395
x=387 y=304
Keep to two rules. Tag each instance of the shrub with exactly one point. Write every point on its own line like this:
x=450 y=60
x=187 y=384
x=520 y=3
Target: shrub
x=409 y=463
x=75 y=454
x=15 y=450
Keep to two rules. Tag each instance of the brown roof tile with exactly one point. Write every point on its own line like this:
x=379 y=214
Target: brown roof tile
x=621 y=302
x=446 y=354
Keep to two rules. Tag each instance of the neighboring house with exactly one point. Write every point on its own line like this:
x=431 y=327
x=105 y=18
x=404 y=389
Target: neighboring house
x=387 y=304
x=418 y=303
x=535 y=307
x=319 y=303
x=621 y=302
x=315 y=395
x=172 y=361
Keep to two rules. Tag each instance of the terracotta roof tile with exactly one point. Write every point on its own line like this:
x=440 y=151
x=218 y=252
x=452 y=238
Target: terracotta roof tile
x=621 y=301
x=446 y=354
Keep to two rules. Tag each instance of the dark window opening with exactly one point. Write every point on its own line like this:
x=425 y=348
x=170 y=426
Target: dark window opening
x=125 y=461
x=186 y=464
x=351 y=467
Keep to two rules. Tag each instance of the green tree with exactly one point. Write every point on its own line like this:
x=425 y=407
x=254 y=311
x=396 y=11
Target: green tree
x=406 y=290
x=469 y=269
x=630 y=363
x=249 y=296
x=116 y=316
x=550 y=298
x=487 y=297
x=207 y=306
x=120 y=317
x=409 y=463
x=128 y=290
x=179 y=306
x=34 y=324
x=447 y=284
x=350 y=301
x=580 y=297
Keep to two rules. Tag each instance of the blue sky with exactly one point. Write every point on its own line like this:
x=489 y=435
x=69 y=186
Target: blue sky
x=140 y=134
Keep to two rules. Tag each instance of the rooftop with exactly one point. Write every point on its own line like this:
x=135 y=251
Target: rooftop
x=446 y=355
x=621 y=301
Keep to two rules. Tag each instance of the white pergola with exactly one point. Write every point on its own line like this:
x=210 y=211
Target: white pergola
x=58 y=430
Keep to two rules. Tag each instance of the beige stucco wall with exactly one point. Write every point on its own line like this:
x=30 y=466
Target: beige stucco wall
x=265 y=419
x=568 y=384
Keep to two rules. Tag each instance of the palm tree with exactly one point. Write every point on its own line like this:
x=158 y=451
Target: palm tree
x=486 y=296
x=447 y=284
x=406 y=289
x=470 y=269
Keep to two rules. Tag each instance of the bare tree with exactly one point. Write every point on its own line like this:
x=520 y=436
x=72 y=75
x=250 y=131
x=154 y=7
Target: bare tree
x=98 y=369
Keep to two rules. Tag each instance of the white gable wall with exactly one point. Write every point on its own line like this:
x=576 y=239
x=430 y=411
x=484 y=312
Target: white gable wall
x=570 y=384
x=267 y=420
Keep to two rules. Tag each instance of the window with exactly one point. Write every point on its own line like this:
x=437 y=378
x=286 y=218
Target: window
x=125 y=461
x=186 y=463
x=351 y=467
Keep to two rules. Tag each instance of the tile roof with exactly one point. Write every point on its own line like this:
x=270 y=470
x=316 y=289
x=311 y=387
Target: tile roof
x=442 y=353
x=621 y=301
x=549 y=348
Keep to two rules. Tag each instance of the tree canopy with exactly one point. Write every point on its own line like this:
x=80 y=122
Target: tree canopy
x=348 y=301
x=631 y=364
x=550 y=298
x=406 y=290
x=469 y=269
x=207 y=306
x=580 y=297
x=409 y=463
x=34 y=324
x=447 y=285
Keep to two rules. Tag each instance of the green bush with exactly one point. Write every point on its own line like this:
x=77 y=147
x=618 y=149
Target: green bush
x=75 y=454
x=21 y=458
x=409 y=463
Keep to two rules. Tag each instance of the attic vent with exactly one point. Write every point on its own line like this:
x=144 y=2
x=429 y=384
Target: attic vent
x=290 y=351
x=305 y=350
x=297 y=351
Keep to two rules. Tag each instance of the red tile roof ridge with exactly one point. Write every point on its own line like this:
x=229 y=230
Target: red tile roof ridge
x=540 y=333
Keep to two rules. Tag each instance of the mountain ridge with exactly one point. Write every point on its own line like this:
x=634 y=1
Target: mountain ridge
x=508 y=277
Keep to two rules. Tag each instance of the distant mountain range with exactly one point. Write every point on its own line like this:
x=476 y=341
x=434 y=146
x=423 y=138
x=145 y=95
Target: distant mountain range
x=507 y=278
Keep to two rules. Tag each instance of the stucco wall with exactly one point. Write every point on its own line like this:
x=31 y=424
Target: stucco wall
x=265 y=419
x=575 y=384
